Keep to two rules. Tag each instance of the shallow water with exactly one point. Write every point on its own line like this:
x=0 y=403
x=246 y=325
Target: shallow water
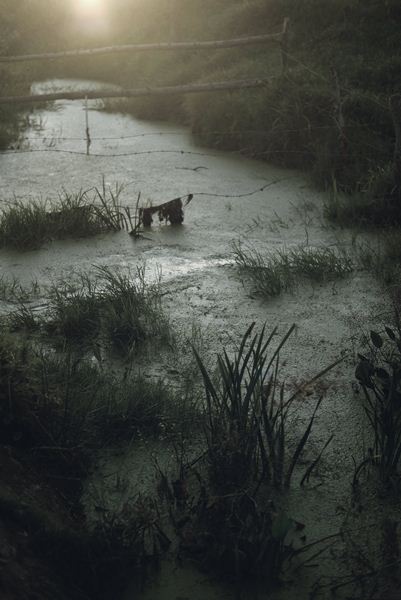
x=201 y=286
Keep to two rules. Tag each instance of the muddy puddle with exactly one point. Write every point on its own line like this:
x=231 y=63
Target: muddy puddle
x=201 y=286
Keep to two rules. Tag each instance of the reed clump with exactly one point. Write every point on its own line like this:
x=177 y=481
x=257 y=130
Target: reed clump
x=275 y=272
x=111 y=306
x=29 y=225
x=247 y=416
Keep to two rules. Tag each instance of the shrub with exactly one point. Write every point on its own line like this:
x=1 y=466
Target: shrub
x=380 y=378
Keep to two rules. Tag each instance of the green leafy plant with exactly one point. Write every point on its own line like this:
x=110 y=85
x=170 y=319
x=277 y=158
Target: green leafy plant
x=380 y=378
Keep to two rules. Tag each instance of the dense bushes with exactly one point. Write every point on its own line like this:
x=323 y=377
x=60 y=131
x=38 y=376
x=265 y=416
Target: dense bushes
x=293 y=121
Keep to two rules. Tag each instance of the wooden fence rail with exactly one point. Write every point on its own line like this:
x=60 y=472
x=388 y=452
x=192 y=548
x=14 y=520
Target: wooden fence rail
x=280 y=38
x=195 y=88
x=245 y=41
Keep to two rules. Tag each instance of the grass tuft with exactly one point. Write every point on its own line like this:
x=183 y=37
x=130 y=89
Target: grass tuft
x=131 y=308
x=276 y=272
x=121 y=308
x=74 y=310
x=363 y=210
x=29 y=225
x=24 y=226
x=319 y=264
x=60 y=400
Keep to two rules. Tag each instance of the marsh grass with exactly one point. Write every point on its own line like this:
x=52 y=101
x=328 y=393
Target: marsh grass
x=97 y=406
x=55 y=409
x=11 y=290
x=382 y=258
x=390 y=267
x=247 y=417
x=99 y=560
x=23 y=319
x=270 y=274
x=110 y=306
x=14 y=118
x=10 y=125
x=137 y=404
x=29 y=225
x=363 y=209
x=131 y=310
x=74 y=310
x=235 y=536
x=240 y=535
x=24 y=226
x=278 y=271
x=320 y=264
x=110 y=212
x=56 y=400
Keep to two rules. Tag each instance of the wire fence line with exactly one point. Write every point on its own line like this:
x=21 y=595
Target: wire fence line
x=286 y=75
x=190 y=133
x=280 y=37
x=210 y=194
x=306 y=152
x=52 y=140
x=180 y=152
x=109 y=155
x=220 y=86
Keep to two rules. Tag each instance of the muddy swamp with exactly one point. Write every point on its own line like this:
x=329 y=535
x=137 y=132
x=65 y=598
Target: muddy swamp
x=200 y=299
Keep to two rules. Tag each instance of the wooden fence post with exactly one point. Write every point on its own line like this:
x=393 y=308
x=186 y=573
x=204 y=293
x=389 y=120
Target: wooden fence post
x=395 y=108
x=284 y=45
x=88 y=137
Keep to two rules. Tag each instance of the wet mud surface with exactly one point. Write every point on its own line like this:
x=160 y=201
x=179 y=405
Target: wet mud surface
x=200 y=283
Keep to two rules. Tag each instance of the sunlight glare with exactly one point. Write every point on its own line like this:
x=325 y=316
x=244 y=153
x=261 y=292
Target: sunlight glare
x=90 y=8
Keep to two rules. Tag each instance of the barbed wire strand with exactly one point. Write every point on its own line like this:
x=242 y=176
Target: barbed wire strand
x=180 y=152
x=195 y=193
x=97 y=155
x=189 y=133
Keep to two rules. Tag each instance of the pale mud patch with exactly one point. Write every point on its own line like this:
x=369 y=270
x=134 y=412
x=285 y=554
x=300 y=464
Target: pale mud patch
x=201 y=287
